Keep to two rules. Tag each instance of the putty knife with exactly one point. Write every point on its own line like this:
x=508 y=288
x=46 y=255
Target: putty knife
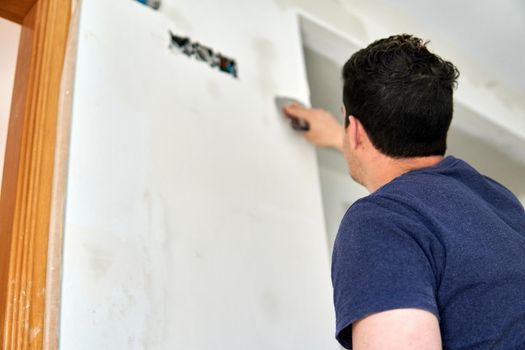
x=297 y=124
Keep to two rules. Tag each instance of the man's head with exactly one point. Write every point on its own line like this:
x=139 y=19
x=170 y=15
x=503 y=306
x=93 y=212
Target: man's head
x=400 y=96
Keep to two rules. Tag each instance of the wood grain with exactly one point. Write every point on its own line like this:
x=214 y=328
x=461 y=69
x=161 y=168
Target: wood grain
x=12 y=165
x=15 y=10
x=28 y=174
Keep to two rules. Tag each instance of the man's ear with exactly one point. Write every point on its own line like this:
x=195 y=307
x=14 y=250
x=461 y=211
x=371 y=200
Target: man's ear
x=361 y=137
x=353 y=131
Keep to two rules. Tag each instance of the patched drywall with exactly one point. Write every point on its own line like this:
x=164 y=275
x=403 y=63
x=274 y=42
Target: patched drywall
x=194 y=215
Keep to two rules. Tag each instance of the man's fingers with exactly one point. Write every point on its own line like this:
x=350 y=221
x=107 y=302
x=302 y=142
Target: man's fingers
x=297 y=111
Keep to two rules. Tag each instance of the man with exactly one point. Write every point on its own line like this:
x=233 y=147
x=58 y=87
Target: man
x=434 y=257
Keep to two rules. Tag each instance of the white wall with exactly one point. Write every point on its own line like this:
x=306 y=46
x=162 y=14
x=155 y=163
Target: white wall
x=9 y=38
x=339 y=191
x=194 y=215
x=491 y=150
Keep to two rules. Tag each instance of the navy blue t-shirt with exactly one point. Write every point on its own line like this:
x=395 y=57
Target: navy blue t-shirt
x=444 y=239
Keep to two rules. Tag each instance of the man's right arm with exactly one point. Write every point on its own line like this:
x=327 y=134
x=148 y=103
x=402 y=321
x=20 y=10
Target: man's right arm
x=384 y=284
x=398 y=329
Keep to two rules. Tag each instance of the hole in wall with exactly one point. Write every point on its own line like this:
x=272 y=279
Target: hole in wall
x=154 y=4
x=203 y=54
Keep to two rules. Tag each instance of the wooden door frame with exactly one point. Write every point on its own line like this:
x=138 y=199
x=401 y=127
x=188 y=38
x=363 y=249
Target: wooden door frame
x=33 y=186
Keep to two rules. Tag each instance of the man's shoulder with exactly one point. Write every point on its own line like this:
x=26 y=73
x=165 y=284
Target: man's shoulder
x=384 y=202
x=379 y=210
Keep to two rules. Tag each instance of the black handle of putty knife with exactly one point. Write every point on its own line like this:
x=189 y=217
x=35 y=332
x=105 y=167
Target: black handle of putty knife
x=296 y=123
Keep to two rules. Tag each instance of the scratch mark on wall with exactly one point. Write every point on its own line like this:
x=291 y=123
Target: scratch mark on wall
x=265 y=56
x=100 y=261
x=156 y=251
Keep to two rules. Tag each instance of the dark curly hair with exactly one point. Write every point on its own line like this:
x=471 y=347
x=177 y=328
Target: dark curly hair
x=402 y=95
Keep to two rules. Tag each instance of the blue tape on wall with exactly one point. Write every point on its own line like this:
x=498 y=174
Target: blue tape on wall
x=155 y=4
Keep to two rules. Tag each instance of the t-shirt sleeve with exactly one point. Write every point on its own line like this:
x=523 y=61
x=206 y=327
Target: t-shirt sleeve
x=378 y=264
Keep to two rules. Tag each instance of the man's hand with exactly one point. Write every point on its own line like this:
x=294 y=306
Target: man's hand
x=324 y=131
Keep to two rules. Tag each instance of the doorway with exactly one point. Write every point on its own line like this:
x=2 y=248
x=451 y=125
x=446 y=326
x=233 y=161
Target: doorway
x=29 y=180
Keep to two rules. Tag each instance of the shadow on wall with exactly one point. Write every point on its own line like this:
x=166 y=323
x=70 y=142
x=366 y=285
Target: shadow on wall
x=488 y=159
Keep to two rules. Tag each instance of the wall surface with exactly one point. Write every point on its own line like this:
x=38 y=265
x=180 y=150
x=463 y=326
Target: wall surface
x=9 y=37
x=194 y=216
x=339 y=191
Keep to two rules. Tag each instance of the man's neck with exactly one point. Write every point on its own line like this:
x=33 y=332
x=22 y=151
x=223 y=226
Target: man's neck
x=385 y=169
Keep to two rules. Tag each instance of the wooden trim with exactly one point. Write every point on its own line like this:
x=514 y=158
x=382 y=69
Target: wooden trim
x=11 y=166
x=58 y=197
x=15 y=10
x=25 y=201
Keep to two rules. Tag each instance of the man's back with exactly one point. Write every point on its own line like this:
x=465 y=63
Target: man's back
x=445 y=239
